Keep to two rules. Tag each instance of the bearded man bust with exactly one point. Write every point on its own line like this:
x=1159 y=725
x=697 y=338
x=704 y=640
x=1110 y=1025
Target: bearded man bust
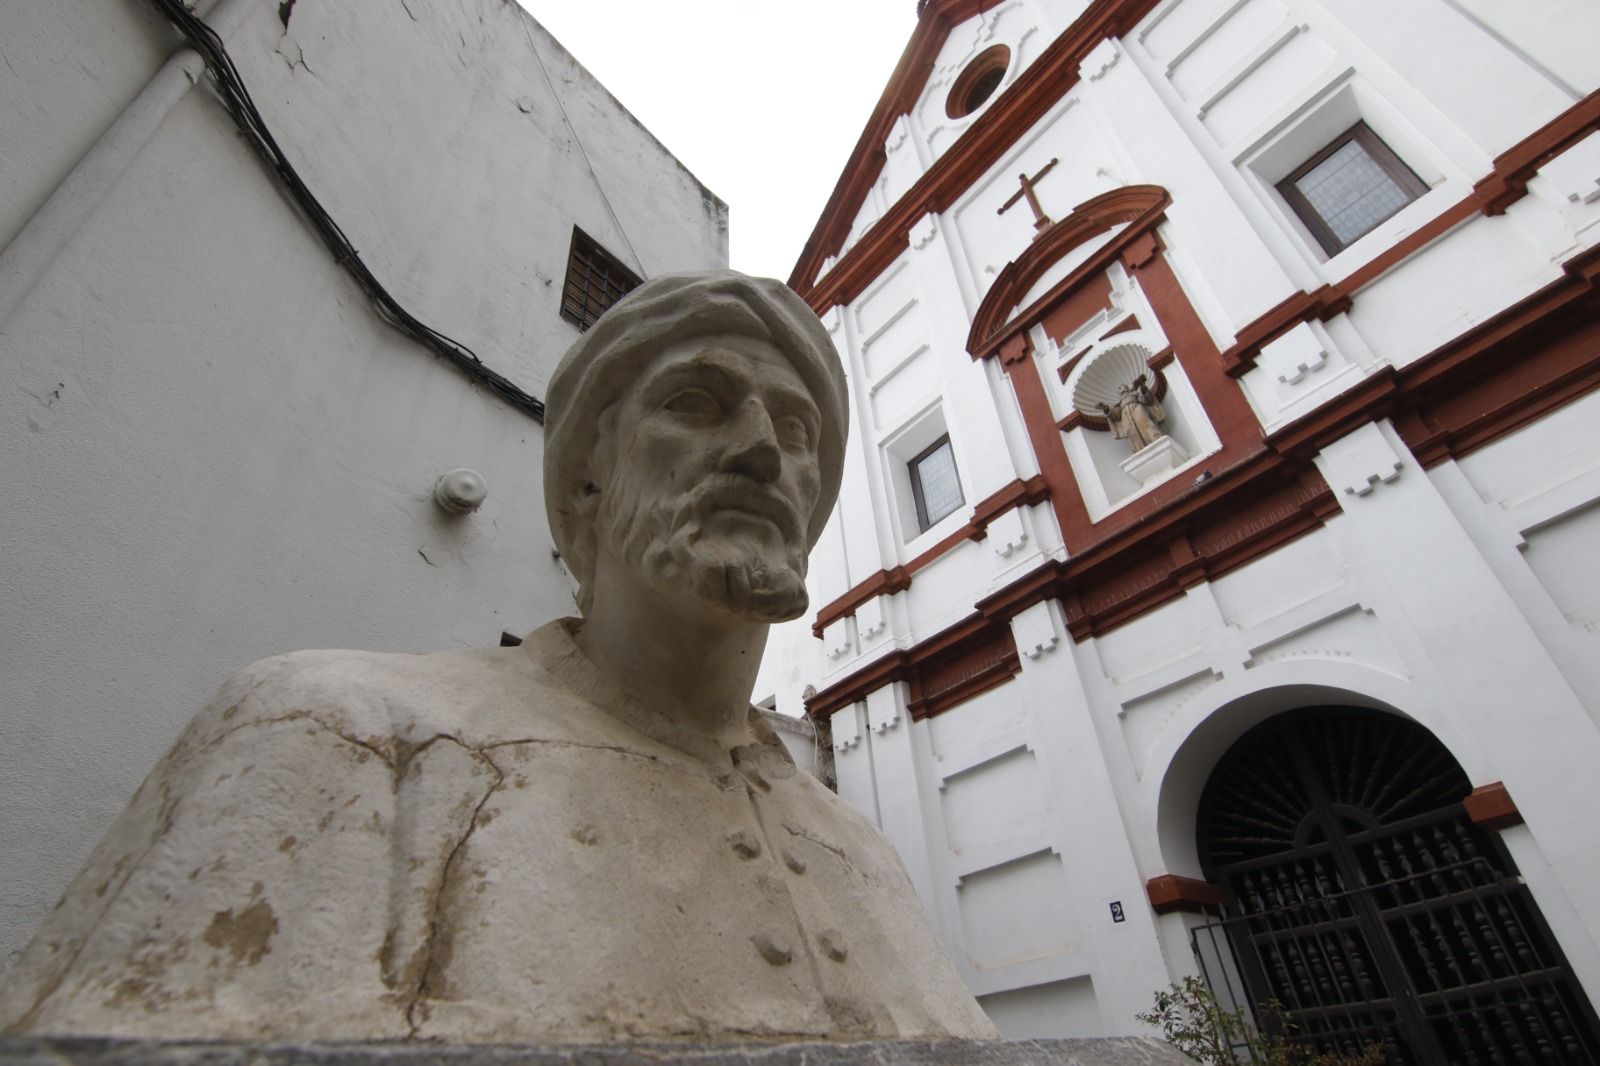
x=589 y=837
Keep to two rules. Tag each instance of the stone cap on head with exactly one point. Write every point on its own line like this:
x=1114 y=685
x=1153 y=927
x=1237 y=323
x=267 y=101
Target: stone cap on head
x=664 y=311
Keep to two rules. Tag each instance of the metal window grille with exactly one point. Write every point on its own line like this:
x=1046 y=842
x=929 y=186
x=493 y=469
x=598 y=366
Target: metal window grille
x=1348 y=187
x=595 y=281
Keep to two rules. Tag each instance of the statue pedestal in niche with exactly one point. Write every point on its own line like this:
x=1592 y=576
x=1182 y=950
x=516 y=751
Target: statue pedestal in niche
x=587 y=838
x=1155 y=460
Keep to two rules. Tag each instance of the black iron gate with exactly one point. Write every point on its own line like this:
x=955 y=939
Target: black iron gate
x=1363 y=900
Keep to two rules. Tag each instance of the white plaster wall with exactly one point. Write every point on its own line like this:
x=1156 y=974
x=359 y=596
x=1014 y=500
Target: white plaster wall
x=213 y=450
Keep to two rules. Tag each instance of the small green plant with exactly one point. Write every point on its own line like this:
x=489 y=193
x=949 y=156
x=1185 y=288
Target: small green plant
x=1192 y=1020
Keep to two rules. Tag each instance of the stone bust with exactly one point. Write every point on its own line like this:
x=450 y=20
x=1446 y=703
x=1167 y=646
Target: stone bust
x=589 y=837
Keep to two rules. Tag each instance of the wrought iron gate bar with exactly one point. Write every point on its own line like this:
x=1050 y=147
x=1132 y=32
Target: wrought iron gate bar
x=1364 y=902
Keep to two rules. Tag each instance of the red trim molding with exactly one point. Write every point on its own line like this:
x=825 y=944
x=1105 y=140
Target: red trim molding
x=1530 y=359
x=952 y=666
x=1169 y=893
x=1301 y=307
x=1017 y=493
x=1140 y=206
x=1491 y=807
x=1215 y=527
x=1501 y=375
x=1539 y=354
x=883 y=583
x=962 y=667
x=1506 y=184
x=1015 y=110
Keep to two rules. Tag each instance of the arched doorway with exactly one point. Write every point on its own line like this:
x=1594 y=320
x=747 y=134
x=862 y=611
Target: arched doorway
x=1364 y=901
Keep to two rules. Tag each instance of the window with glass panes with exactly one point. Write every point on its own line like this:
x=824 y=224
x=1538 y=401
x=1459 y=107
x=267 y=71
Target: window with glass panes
x=935 y=486
x=1349 y=187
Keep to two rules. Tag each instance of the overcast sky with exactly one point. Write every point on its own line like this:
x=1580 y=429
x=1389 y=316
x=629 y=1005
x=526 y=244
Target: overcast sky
x=761 y=99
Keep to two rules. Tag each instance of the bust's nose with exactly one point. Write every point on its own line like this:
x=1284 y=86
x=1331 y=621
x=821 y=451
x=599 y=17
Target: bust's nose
x=753 y=450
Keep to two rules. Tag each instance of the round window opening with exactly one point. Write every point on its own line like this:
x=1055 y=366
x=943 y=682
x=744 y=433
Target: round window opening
x=978 y=82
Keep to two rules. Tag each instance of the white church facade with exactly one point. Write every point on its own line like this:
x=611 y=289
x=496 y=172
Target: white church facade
x=1213 y=588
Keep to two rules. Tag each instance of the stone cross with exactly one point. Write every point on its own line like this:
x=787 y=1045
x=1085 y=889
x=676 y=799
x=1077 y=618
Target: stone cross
x=1041 y=221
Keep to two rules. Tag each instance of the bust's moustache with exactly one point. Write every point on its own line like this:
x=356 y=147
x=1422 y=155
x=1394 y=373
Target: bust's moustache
x=735 y=492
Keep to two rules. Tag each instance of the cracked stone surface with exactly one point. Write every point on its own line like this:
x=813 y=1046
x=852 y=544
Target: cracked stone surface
x=1106 y=1052
x=485 y=846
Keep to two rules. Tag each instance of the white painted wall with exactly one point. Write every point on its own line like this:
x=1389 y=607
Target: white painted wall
x=1466 y=597
x=212 y=449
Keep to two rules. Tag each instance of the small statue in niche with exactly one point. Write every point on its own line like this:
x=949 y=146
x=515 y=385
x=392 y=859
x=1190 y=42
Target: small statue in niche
x=1137 y=415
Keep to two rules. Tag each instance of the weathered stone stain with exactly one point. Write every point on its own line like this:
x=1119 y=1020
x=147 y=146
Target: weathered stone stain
x=245 y=936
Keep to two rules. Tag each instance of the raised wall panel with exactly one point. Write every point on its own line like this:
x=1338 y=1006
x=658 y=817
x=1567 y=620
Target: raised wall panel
x=885 y=300
x=1561 y=554
x=972 y=731
x=1002 y=797
x=1145 y=717
x=1150 y=642
x=1351 y=634
x=894 y=344
x=1180 y=27
x=1017 y=911
x=1218 y=50
x=1278 y=581
x=1038 y=1012
x=898 y=396
x=1240 y=107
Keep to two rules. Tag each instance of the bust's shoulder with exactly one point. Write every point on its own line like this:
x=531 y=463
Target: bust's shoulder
x=467 y=693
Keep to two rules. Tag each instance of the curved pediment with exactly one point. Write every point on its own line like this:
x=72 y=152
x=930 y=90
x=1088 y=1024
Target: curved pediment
x=1137 y=206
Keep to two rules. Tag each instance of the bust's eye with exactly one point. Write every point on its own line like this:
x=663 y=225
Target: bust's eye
x=792 y=431
x=697 y=403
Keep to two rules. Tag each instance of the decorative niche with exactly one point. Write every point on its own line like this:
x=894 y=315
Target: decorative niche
x=1134 y=420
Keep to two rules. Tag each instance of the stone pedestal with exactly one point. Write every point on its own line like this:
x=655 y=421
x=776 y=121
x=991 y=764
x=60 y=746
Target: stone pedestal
x=1155 y=460
x=94 y=1051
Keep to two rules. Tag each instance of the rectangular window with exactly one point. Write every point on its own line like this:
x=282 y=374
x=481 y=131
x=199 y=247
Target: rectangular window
x=595 y=281
x=934 y=484
x=1348 y=187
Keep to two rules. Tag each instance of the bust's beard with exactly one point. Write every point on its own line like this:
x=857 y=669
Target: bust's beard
x=668 y=546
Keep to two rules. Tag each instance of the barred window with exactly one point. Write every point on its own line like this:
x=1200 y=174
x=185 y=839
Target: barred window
x=1353 y=183
x=596 y=279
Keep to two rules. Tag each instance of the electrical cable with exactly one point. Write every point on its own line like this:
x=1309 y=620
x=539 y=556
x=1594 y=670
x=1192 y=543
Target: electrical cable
x=236 y=98
x=587 y=162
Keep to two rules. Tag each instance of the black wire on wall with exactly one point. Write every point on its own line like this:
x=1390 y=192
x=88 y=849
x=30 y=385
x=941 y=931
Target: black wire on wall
x=236 y=98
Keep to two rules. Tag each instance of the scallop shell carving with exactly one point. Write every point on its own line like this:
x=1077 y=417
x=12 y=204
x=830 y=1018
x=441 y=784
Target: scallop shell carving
x=1106 y=373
